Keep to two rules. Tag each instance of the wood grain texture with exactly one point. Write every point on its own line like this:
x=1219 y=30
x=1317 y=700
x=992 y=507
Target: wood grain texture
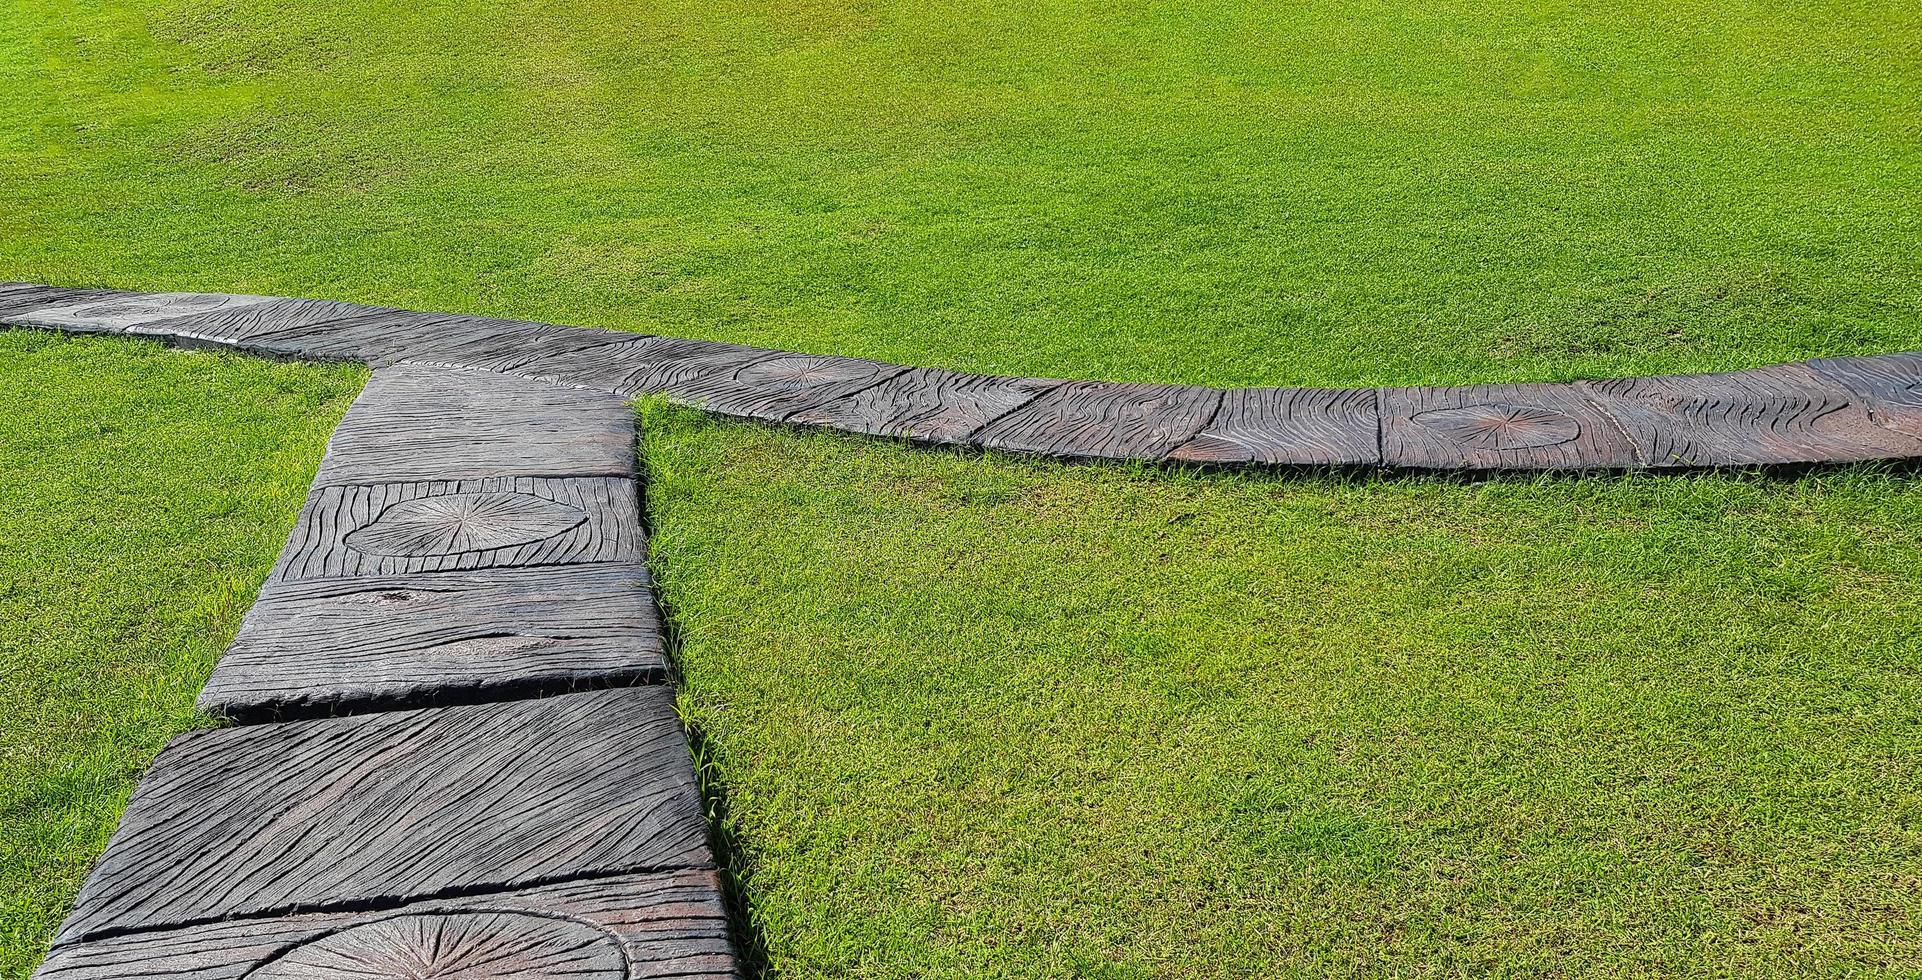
x=1767 y=416
x=1890 y=385
x=340 y=812
x=687 y=370
x=498 y=345
x=1105 y=420
x=668 y=924
x=926 y=405
x=1289 y=427
x=121 y=313
x=772 y=389
x=423 y=422
x=446 y=525
x=322 y=646
x=1500 y=427
x=254 y=325
x=20 y=300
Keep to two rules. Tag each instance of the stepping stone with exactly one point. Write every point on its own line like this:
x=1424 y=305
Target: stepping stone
x=498 y=345
x=1890 y=385
x=628 y=927
x=19 y=300
x=342 y=814
x=1767 y=416
x=1500 y=427
x=120 y=313
x=688 y=370
x=1289 y=427
x=331 y=645
x=419 y=422
x=447 y=525
x=257 y=326
x=926 y=405
x=774 y=388
x=1105 y=420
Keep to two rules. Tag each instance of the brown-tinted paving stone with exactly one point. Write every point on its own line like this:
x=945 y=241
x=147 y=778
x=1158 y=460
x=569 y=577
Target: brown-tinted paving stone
x=124 y=312
x=622 y=928
x=1500 y=427
x=444 y=525
x=1773 y=415
x=771 y=389
x=626 y=927
x=1105 y=420
x=1890 y=385
x=318 y=646
x=1289 y=427
x=926 y=404
x=381 y=808
x=423 y=422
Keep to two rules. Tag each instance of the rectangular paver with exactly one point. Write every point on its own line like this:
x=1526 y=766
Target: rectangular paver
x=1289 y=427
x=333 y=644
x=1500 y=427
x=627 y=927
x=341 y=812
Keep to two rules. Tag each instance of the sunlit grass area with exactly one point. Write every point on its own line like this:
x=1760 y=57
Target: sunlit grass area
x=146 y=493
x=983 y=717
x=1336 y=191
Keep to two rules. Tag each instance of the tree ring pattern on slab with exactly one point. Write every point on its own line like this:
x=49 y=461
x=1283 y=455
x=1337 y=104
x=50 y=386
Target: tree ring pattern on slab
x=1501 y=426
x=802 y=371
x=457 y=523
x=455 y=946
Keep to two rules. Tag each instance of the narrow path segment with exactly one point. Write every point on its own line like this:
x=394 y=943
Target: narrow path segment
x=455 y=756
x=1832 y=410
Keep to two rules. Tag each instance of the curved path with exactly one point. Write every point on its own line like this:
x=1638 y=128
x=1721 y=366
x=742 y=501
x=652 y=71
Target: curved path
x=1832 y=410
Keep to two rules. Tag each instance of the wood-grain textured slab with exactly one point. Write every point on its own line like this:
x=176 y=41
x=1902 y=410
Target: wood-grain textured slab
x=1289 y=427
x=926 y=405
x=1105 y=420
x=1767 y=416
x=1890 y=385
x=338 y=813
x=446 y=525
x=690 y=371
x=421 y=422
x=122 y=312
x=626 y=927
x=1500 y=427
x=327 y=645
x=499 y=345
x=256 y=326
x=774 y=388
x=19 y=300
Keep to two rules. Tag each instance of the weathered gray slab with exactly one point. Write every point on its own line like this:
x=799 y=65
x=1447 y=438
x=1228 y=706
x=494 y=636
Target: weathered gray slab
x=124 y=312
x=324 y=645
x=627 y=927
x=445 y=525
x=1500 y=427
x=774 y=388
x=340 y=813
x=686 y=369
x=254 y=325
x=1290 y=427
x=1767 y=416
x=1105 y=420
x=497 y=345
x=424 y=422
x=926 y=404
x=1890 y=385
x=19 y=300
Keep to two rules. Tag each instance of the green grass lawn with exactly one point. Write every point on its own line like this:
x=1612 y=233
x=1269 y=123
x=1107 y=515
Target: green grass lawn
x=978 y=716
x=981 y=717
x=1210 y=191
x=146 y=493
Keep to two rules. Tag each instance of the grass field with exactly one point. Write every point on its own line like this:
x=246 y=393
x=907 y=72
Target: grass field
x=146 y=494
x=987 y=717
x=980 y=717
x=1331 y=191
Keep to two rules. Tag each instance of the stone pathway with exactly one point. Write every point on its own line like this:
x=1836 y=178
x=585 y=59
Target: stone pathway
x=1832 y=410
x=454 y=755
